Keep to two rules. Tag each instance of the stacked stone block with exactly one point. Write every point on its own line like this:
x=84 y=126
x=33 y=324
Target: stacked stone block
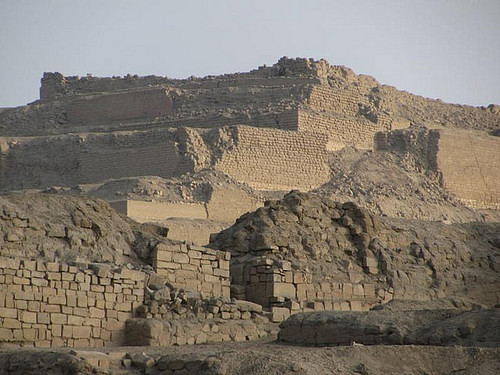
x=194 y=268
x=151 y=332
x=49 y=304
x=285 y=291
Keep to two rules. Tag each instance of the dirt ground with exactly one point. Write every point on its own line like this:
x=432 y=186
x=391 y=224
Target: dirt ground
x=264 y=358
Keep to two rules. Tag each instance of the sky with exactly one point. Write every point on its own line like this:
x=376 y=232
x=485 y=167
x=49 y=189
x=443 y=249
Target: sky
x=446 y=49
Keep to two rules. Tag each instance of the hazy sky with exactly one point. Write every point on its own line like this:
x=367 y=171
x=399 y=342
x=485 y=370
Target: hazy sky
x=447 y=49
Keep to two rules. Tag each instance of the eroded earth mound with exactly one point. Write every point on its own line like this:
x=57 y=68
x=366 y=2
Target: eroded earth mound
x=344 y=242
x=69 y=229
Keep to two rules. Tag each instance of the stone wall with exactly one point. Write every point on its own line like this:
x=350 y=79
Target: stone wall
x=193 y=268
x=48 y=304
x=146 y=332
x=285 y=291
x=269 y=159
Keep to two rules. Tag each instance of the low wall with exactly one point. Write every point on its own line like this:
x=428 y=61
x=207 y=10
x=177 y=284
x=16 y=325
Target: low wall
x=417 y=327
x=48 y=304
x=286 y=291
x=223 y=206
x=194 y=268
x=143 y=211
x=148 y=332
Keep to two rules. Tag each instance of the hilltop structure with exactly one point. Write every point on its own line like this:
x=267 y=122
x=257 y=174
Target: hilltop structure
x=272 y=128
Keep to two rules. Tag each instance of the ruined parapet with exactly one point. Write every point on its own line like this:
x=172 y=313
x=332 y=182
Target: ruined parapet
x=287 y=256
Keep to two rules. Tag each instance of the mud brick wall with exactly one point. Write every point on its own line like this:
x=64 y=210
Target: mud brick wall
x=268 y=159
x=470 y=167
x=131 y=105
x=467 y=162
x=194 y=268
x=53 y=84
x=322 y=98
x=284 y=119
x=143 y=211
x=71 y=159
x=55 y=305
x=342 y=130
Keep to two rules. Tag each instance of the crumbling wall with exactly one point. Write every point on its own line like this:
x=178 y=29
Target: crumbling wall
x=144 y=104
x=48 y=304
x=269 y=159
x=73 y=159
x=194 y=268
x=342 y=130
x=469 y=164
x=285 y=291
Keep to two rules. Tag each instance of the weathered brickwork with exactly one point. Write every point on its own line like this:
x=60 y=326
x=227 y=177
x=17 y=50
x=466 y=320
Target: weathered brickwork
x=341 y=130
x=194 y=268
x=468 y=163
x=30 y=162
x=120 y=106
x=322 y=98
x=285 y=291
x=470 y=167
x=268 y=159
x=147 y=332
x=48 y=304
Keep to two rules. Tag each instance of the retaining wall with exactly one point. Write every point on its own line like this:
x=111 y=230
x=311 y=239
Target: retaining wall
x=144 y=104
x=470 y=167
x=342 y=130
x=468 y=162
x=270 y=159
